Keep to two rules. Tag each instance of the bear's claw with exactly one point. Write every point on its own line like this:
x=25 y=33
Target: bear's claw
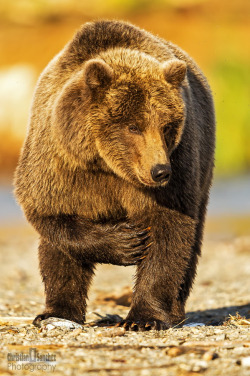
x=135 y=247
x=142 y=325
x=37 y=320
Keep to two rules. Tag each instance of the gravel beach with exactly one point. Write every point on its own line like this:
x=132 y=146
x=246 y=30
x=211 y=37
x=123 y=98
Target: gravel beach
x=215 y=339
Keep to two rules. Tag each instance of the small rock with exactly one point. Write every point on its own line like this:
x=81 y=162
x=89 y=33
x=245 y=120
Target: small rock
x=200 y=366
x=175 y=351
x=210 y=356
x=221 y=337
x=48 y=327
x=112 y=332
x=76 y=332
x=54 y=322
x=245 y=362
x=186 y=367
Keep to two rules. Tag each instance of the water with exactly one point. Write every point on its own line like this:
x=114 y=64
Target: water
x=10 y=212
x=228 y=197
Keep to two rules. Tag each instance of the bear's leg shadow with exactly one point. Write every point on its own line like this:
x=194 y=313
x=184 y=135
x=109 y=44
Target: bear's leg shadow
x=66 y=283
x=156 y=303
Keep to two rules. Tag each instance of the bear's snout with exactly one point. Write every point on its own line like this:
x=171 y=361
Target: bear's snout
x=161 y=173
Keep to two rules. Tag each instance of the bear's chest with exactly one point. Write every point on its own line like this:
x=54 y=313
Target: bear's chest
x=97 y=196
x=105 y=196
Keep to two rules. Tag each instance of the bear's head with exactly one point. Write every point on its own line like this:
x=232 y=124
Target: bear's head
x=124 y=111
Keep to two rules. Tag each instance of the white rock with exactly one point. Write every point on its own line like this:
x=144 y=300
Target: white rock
x=245 y=362
x=53 y=322
x=192 y=324
x=200 y=366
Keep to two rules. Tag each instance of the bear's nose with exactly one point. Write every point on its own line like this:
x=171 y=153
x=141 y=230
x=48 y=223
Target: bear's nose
x=161 y=172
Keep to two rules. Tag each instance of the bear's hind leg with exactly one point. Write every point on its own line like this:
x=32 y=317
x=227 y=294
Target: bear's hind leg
x=193 y=262
x=66 y=284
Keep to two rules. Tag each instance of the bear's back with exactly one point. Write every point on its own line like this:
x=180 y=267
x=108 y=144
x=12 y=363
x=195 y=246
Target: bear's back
x=96 y=37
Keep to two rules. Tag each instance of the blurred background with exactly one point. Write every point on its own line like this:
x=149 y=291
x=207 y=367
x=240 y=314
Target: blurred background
x=216 y=34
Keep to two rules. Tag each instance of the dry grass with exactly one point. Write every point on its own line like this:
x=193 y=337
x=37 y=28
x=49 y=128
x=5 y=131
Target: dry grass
x=236 y=320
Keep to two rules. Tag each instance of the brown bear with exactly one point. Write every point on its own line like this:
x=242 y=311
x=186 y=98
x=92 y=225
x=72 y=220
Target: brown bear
x=116 y=169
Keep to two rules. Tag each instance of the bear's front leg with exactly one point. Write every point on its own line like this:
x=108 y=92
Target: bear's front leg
x=117 y=243
x=156 y=302
x=66 y=283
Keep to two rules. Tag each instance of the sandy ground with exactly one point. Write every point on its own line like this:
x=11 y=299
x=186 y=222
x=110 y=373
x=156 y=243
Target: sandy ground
x=221 y=346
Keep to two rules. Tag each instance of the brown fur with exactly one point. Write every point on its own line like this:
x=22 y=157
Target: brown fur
x=113 y=105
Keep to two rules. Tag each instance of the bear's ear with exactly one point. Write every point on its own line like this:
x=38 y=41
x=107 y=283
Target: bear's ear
x=174 y=71
x=97 y=73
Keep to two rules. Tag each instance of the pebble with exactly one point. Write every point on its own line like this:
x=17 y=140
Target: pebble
x=221 y=337
x=53 y=322
x=75 y=332
x=48 y=327
x=175 y=351
x=200 y=366
x=210 y=356
x=112 y=332
x=245 y=362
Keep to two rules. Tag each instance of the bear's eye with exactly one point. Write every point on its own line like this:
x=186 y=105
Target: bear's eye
x=166 y=128
x=134 y=129
x=170 y=126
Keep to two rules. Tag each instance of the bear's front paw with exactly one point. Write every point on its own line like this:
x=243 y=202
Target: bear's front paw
x=43 y=316
x=143 y=325
x=133 y=244
x=46 y=315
